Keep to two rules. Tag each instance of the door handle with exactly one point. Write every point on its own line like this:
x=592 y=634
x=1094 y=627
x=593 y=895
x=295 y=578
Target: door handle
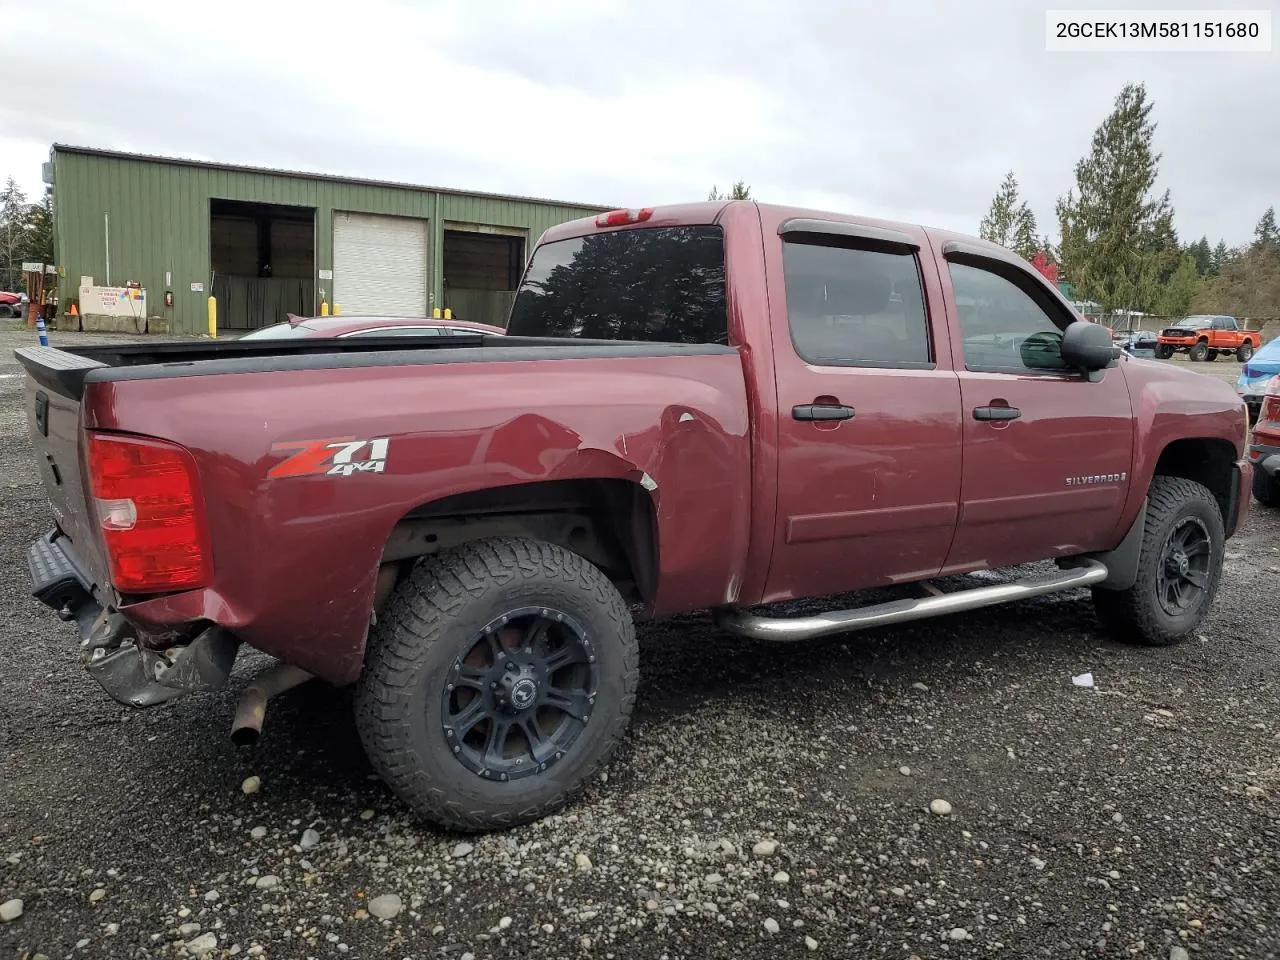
x=821 y=411
x=996 y=413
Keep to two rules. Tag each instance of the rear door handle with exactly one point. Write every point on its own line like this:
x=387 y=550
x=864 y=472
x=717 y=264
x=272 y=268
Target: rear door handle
x=821 y=411
x=996 y=413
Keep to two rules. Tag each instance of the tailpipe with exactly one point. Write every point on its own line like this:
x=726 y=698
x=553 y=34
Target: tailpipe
x=252 y=706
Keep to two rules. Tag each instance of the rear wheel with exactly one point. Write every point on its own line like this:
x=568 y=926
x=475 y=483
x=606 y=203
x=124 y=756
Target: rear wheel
x=1178 y=572
x=1198 y=352
x=498 y=681
x=1244 y=353
x=1266 y=488
x=7 y=311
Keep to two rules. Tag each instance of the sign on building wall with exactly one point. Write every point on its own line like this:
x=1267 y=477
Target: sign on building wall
x=112 y=301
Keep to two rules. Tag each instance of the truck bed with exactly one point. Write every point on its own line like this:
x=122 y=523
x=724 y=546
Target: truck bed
x=66 y=371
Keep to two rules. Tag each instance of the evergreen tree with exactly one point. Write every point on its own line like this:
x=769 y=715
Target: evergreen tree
x=1220 y=257
x=1202 y=254
x=1118 y=242
x=1266 y=233
x=1010 y=223
x=739 y=191
x=1184 y=284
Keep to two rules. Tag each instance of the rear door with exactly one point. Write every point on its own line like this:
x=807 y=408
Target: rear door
x=1047 y=451
x=869 y=426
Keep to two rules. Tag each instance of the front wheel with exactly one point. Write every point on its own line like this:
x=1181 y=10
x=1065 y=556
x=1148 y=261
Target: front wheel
x=1244 y=353
x=1199 y=352
x=1179 y=569
x=1266 y=488
x=1163 y=351
x=498 y=680
x=1213 y=355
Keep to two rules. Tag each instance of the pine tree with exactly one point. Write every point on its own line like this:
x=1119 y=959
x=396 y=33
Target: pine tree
x=1202 y=254
x=1010 y=223
x=739 y=191
x=1118 y=241
x=1219 y=259
x=1184 y=284
x=1266 y=233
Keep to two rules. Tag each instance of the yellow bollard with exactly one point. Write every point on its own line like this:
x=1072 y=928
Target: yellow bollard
x=435 y=313
x=324 y=308
x=448 y=314
x=336 y=310
x=213 y=317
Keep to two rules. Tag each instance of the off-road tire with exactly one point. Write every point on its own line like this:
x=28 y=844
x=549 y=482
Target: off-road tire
x=1135 y=615
x=1198 y=352
x=1213 y=355
x=1244 y=353
x=1163 y=351
x=1266 y=489
x=432 y=617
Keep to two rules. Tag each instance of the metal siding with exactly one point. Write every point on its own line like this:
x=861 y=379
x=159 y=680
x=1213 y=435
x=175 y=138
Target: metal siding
x=160 y=221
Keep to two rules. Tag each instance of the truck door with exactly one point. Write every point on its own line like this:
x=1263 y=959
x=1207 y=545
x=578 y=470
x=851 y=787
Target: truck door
x=869 y=425
x=1047 y=451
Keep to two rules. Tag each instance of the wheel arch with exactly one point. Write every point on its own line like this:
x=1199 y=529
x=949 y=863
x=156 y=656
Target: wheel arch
x=1208 y=461
x=610 y=522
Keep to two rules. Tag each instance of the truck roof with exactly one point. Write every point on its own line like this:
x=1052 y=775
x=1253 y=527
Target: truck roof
x=709 y=211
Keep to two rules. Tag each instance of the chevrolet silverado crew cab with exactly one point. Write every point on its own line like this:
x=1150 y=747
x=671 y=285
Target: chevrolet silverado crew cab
x=1203 y=338
x=710 y=407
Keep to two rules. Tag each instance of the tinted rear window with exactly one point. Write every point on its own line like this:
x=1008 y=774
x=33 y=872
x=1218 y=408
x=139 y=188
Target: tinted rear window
x=661 y=284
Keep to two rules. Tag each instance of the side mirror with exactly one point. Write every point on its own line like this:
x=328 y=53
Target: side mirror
x=1087 y=346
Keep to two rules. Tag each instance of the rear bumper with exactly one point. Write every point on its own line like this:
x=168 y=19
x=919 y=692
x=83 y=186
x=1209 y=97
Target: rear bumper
x=109 y=643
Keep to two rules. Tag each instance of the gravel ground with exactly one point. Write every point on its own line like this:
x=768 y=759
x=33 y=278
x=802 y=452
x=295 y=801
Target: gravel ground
x=768 y=800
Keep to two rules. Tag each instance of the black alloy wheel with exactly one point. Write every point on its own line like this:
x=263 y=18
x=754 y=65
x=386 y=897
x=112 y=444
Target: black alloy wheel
x=517 y=700
x=1184 y=573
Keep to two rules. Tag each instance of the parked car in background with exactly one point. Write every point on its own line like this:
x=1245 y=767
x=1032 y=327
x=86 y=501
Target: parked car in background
x=1204 y=337
x=1139 y=343
x=353 y=326
x=1256 y=375
x=1264 y=447
x=12 y=304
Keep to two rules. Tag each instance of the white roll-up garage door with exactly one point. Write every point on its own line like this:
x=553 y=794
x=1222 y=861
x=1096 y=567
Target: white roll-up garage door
x=379 y=265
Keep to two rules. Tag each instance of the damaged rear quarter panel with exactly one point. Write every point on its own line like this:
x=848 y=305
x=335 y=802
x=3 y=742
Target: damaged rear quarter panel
x=296 y=556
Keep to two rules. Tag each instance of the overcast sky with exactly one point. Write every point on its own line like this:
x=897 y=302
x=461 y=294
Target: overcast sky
x=907 y=110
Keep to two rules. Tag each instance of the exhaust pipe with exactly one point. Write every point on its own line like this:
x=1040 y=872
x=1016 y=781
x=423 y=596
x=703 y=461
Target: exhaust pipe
x=792 y=629
x=252 y=706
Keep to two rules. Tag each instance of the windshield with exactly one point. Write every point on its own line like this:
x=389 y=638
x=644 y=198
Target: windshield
x=1194 y=323
x=659 y=284
x=279 y=331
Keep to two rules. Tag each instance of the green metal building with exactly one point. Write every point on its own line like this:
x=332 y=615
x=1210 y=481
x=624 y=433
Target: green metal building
x=266 y=243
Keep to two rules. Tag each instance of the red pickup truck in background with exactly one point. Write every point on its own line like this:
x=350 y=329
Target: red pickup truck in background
x=1203 y=338
x=712 y=406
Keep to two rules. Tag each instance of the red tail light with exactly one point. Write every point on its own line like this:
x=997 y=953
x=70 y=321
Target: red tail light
x=147 y=497
x=1271 y=402
x=618 y=218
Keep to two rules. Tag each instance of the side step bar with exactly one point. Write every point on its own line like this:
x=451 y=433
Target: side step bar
x=790 y=629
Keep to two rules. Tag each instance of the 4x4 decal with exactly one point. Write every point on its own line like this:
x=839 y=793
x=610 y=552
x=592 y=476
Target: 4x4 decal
x=336 y=456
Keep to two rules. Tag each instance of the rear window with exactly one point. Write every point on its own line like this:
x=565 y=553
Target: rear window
x=657 y=284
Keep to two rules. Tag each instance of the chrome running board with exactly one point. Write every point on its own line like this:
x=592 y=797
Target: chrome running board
x=790 y=629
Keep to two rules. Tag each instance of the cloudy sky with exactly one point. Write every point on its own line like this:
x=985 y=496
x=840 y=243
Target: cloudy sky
x=911 y=110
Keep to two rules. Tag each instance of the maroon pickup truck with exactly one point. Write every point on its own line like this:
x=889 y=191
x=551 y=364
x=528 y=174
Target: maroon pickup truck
x=703 y=407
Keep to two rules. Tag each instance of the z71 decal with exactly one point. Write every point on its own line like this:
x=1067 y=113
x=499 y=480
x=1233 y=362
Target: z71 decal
x=335 y=457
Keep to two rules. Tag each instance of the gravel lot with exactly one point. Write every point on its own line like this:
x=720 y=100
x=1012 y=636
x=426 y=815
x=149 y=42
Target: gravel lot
x=768 y=801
